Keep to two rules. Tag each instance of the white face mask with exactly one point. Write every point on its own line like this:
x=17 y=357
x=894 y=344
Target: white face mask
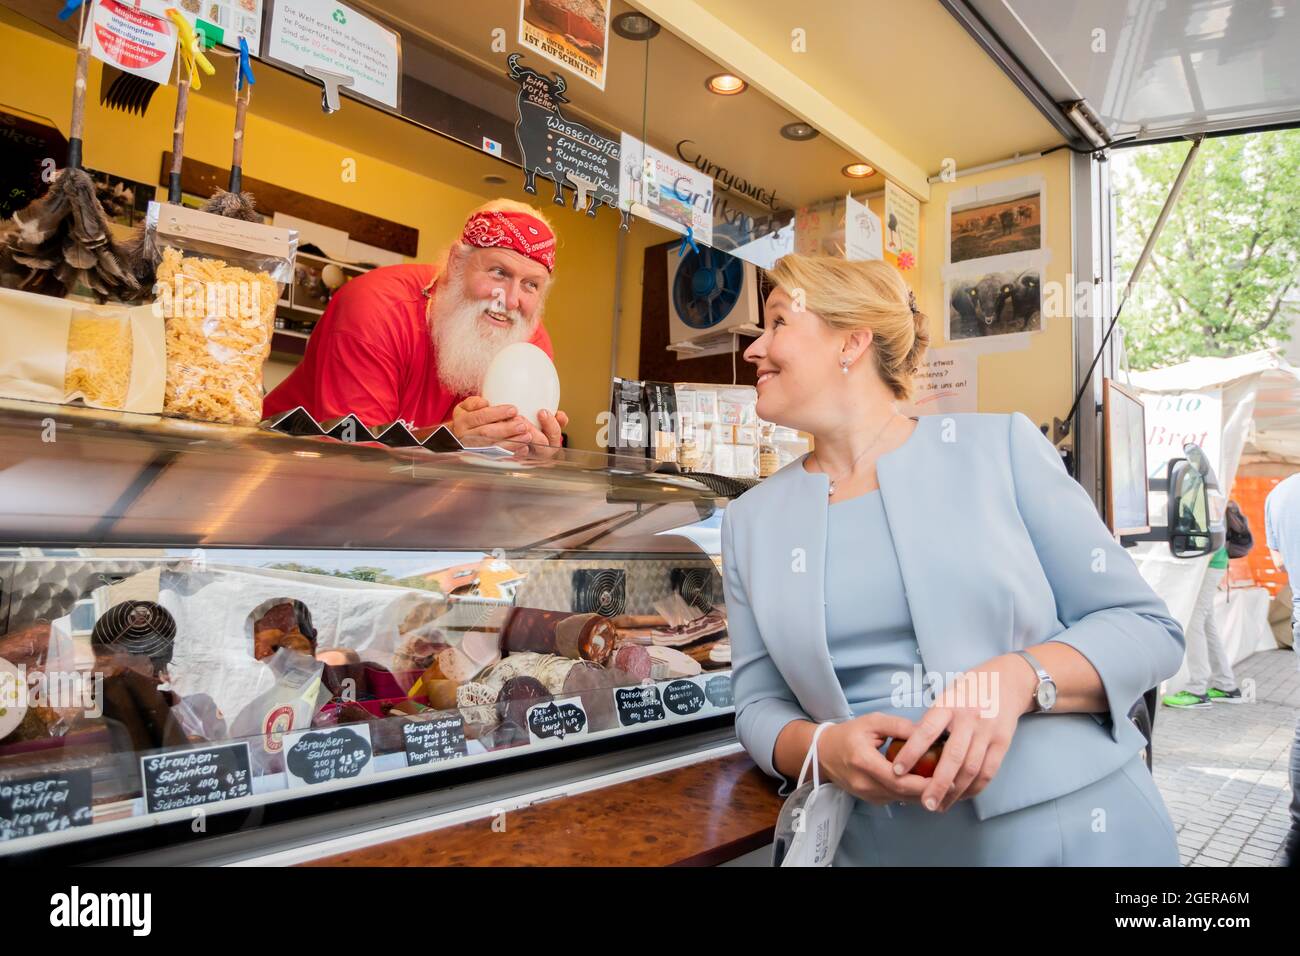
x=812 y=819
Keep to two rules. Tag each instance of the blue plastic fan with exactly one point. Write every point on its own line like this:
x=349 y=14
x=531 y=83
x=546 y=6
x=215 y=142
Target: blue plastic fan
x=707 y=287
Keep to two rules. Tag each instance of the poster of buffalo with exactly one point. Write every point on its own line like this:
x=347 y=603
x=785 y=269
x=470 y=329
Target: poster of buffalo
x=994 y=264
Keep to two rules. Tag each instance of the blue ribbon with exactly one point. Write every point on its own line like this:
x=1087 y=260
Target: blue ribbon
x=688 y=240
x=245 y=66
x=70 y=8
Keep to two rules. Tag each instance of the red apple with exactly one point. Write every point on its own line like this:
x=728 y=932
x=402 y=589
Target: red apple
x=925 y=767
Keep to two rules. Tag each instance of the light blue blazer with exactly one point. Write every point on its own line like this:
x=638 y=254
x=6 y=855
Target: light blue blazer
x=999 y=549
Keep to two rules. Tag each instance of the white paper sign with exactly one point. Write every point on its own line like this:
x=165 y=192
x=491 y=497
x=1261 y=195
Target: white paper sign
x=132 y=40
x=334 y=37
x=902 y=222
x=1175 y=418
x=946 y=382
x=863 y=238
x=665 y=190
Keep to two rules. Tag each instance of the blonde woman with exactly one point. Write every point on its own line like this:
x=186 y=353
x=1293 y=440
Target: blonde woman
x=939 y=580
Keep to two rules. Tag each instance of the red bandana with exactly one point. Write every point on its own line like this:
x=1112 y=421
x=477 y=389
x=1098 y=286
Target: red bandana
x=525 y=234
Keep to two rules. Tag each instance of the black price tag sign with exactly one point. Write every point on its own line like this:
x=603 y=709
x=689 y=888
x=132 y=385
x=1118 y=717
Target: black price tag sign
x=683 y=698
x=191 y=778
x=638 y=705
x=319 y=756
x=718 y=690
x=429 y=741
x=556 y=720
x=30 y=806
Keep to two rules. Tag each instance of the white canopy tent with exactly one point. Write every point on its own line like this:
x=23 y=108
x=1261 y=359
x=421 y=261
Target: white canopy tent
x=1240 y=409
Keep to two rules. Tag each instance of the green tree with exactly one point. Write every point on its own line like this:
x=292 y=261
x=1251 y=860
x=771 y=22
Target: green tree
x=1229 y=254
x=361 y=573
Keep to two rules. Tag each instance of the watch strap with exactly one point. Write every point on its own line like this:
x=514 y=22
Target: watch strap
x=1043 y=676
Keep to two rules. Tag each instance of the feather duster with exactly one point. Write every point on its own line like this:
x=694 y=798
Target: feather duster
x=62 y=239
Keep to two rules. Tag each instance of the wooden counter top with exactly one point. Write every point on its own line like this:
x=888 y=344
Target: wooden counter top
x=698 y=815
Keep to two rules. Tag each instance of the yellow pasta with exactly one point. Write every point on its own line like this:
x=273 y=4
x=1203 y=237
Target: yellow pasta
x=99 y=359
x=219 y=320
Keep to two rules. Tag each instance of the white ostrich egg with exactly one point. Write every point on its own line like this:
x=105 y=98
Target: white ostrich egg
x=522 y=375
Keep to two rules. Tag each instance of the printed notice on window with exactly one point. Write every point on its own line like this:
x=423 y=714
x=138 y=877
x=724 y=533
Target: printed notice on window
x=334 y=37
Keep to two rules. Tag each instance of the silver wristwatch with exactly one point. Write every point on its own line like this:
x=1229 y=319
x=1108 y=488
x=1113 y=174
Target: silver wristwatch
x=1045 y=692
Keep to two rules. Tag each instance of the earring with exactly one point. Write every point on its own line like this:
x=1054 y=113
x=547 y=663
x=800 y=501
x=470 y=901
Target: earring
x=844 y=367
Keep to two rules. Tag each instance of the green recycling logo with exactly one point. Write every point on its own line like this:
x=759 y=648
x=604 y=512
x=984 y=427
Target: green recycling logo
x=339 y=18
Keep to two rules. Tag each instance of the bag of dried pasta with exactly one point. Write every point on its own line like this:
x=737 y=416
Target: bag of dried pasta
x=216 y=290
x=62 y=351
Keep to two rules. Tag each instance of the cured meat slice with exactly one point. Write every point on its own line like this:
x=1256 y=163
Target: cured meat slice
x=667 y=663
x=482 y=647
x=631 y=663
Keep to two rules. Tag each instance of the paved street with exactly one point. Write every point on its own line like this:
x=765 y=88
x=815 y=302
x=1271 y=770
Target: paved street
x=1223 y=770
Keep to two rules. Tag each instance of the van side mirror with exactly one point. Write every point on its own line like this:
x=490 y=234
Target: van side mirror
x=1195 y=506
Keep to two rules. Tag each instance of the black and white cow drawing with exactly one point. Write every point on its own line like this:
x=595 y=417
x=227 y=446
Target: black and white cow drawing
x=541 y=125
x=538 y=97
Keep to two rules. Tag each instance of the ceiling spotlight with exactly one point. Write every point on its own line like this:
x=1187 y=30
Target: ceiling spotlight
x=858 y=170
x=798 y=131
x=634 y=26
x=725 y=84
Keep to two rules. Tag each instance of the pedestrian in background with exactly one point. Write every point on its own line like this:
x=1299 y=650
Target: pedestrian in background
x=1209 y=669
x=1282 y=533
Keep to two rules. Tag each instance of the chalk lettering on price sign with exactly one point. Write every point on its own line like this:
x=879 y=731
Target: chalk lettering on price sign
x=49 y=803
x=190 y=778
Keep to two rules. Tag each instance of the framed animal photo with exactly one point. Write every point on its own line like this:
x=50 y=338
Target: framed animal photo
x=985 y=228
x=994 y=303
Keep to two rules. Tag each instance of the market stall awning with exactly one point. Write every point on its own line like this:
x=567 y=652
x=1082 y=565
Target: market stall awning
x=1276 y=417
x=1147 y=71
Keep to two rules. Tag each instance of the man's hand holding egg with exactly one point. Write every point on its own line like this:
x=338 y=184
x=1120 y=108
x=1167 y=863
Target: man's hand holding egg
x=521 y=395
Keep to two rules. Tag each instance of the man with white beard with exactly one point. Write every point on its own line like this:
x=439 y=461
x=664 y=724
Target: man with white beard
x=412 y=342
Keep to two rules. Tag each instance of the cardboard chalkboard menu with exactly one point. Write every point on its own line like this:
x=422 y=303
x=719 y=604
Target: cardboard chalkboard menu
x=718 y=691
x=30 y=806
x=684 y=697
x=319 y=756
x=561 y=149
x=555 y=720
x=428 y=741
x=638 y=705
x=191 y=778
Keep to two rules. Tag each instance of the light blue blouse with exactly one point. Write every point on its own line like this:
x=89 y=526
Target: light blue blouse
x=868 y=623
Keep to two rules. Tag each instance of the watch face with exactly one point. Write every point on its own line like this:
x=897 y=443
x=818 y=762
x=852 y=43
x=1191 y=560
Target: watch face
x=1046 y=694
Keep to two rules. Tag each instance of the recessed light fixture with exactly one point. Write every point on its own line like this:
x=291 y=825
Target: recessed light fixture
x=492 y=179
x=858 y=170
x=634 y=26
x=725 y=84
x=798 y=131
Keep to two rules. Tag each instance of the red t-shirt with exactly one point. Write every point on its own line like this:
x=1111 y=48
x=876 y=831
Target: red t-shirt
x=371 y=354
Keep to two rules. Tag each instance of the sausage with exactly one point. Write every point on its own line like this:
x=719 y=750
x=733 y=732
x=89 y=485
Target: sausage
x=577 y=636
